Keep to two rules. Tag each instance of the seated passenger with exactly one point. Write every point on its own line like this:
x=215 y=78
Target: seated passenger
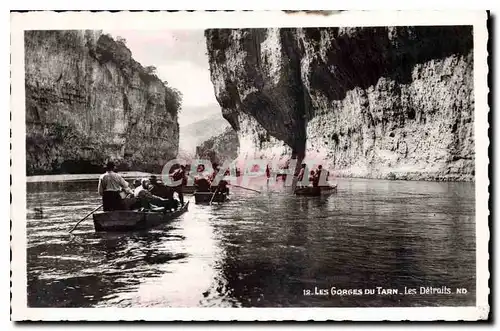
x=147 y=199
x=222 y=187
x=157 y=188
x=202 y=184
x=311 y=175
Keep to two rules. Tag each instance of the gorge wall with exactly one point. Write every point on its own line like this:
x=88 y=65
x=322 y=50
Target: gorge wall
x=377 y=102
x=88 y=101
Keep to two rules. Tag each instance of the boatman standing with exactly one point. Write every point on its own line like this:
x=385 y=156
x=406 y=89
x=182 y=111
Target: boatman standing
x=301 y=175
x=322 y=174
x=109 y=187
x=179 y=174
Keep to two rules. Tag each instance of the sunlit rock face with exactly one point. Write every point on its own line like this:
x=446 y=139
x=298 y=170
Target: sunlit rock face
x=384 y=102
x=88 y=101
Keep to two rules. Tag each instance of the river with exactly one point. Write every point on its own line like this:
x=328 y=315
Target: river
x=259 y=250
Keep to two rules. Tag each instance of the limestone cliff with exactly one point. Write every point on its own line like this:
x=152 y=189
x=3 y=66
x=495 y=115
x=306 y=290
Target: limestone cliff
x=381 y=102
x=88 y=100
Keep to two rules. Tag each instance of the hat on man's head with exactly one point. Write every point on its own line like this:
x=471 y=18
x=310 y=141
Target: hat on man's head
x=110 y=165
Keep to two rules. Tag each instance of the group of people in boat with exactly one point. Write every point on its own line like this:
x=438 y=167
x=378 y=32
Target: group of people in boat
x=314 y=175
x=146 y=193
x=205 y=181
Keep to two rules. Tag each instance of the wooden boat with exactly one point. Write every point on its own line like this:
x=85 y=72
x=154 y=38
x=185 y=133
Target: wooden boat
x=188 y=189
x=206 y=197
x=130 y=220
x=316 y=191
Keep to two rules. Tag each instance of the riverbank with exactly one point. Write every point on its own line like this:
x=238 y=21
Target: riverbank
x=408 y=175
x=81 y=177
x=335 y=174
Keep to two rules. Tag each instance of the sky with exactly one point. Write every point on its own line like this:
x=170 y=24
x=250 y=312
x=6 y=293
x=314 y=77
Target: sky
x=181 y=59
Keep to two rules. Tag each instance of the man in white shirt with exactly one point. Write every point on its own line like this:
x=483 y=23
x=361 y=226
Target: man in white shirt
x=109 y=187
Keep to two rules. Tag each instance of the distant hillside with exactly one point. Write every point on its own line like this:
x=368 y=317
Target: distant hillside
x=220 y=148
x=194 y=134
x=192 y=114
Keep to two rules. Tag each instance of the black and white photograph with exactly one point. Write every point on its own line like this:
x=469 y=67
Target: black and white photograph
x=249 y=160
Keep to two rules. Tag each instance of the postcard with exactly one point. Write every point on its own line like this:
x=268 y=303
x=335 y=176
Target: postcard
x=249 y=166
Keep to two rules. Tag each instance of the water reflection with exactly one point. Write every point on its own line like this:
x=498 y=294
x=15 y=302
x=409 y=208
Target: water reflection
x=258 y=250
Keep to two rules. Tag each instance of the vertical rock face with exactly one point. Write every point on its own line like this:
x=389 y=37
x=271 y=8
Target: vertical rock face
x=256 y=75
x=88 y=101
x=384 y=102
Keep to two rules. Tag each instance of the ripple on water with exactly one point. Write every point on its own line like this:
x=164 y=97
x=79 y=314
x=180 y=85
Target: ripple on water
x=258 y=250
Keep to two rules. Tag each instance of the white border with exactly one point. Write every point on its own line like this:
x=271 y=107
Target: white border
x=201 y=20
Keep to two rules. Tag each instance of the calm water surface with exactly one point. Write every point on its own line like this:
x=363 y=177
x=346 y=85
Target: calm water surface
x=258 y=250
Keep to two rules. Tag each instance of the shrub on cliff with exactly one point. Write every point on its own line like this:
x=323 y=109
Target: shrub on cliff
x=150 y=70
x=110 y=50
x=173 y=100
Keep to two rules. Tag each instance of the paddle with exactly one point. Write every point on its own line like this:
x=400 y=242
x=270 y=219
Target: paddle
x=83 y=219
x=245 y=188
x=213 y=196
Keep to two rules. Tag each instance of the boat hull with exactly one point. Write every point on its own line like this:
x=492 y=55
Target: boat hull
x=206 y=197
x=129 y=220
x=188 y=189
x=316 y=191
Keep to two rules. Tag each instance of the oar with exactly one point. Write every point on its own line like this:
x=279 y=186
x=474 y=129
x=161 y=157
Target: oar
x=83 y=219
x=213 y=196
x=245 y=188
